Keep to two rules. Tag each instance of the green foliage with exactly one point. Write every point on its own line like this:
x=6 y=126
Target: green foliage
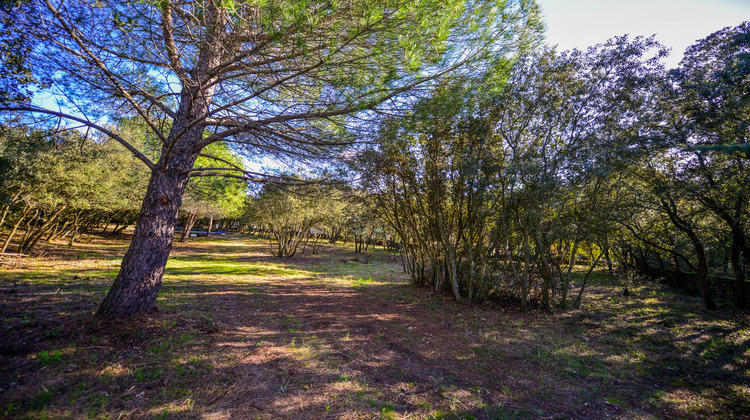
x=693 y=188
x=278 y=78
x=61 y=169
x=713 y=79
x=293 y=214
x=16 y=74
x=56 y=180
x=501 y=172
x=216 y=196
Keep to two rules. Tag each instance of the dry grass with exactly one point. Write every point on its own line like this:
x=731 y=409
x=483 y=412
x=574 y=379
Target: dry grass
x=240 y=334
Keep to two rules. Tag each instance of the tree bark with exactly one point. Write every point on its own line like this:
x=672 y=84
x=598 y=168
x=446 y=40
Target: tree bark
x=29 y=230
x=577 y=301
x=189 y=223
x=6 y=207
x=139 y=280
x=740 y=288
x=702 y=269
x=14 y=229
x=527 y=262
x=34 y=238
x=546 y=271
x=568 y=276
x=703 y=283
x=451 y=264
x=106 y=224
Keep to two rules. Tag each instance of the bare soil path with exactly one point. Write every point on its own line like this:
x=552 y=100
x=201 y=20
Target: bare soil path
x=240 y=334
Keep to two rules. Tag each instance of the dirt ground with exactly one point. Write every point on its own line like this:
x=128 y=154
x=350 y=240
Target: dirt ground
x=240 y=334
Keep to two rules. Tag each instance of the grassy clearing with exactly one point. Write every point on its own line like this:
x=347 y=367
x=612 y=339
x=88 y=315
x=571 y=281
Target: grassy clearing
x=240 y=334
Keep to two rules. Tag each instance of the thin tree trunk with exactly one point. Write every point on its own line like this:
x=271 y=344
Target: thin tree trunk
x=508 y=253
x=702 y=269
x=54 y=231
x=94 y=220
x=307 y=240
x=451 y=263
x=546 y=271
x=527 y=262
x=34 y=239
x=569 y=274
x=14 y=229
x=189 y=222
x=470 y=257
x=123 y=226
x=606 y=255
x=106 y=224
x=740 y=287
x=28 y=230
x=577 y=301
x=703 y=283
x=6 y=208
x=75 y=228
x=62 y=231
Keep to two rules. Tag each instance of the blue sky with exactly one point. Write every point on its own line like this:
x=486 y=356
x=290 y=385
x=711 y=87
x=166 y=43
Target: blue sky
x=676 y=23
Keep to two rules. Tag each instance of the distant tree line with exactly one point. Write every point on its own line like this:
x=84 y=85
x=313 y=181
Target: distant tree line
x=57 y=185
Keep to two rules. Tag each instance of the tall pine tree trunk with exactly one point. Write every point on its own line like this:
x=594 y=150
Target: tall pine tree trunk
x=137 y=285
x=139 y=280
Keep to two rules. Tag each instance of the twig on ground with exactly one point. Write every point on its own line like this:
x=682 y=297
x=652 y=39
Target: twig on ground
x=354 y=358
x=216 y=398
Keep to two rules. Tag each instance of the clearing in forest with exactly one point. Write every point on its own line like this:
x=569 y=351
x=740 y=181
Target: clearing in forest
x=241 y=334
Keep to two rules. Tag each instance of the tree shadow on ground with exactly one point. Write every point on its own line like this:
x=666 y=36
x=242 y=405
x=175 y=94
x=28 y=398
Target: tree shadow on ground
x=343 y=339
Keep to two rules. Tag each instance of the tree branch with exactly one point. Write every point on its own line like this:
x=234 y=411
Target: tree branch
x=87 y=123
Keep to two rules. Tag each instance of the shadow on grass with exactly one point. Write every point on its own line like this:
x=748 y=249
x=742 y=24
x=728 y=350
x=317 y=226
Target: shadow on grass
x=327 y=337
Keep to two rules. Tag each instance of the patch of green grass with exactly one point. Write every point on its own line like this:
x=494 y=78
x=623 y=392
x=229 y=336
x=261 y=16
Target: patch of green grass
x=387 y=412
x=47 y=358
x=9 y=409
x=451 y=415
x=363 y=281
x=148 y=373
x=291 y=324
x=170 y=343
x=225 y=308
x=192 y=266
x=616 y=401
x=40 y=400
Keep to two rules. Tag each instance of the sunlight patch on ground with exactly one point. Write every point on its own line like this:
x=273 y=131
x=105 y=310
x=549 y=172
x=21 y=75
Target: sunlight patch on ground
x=326 y=336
